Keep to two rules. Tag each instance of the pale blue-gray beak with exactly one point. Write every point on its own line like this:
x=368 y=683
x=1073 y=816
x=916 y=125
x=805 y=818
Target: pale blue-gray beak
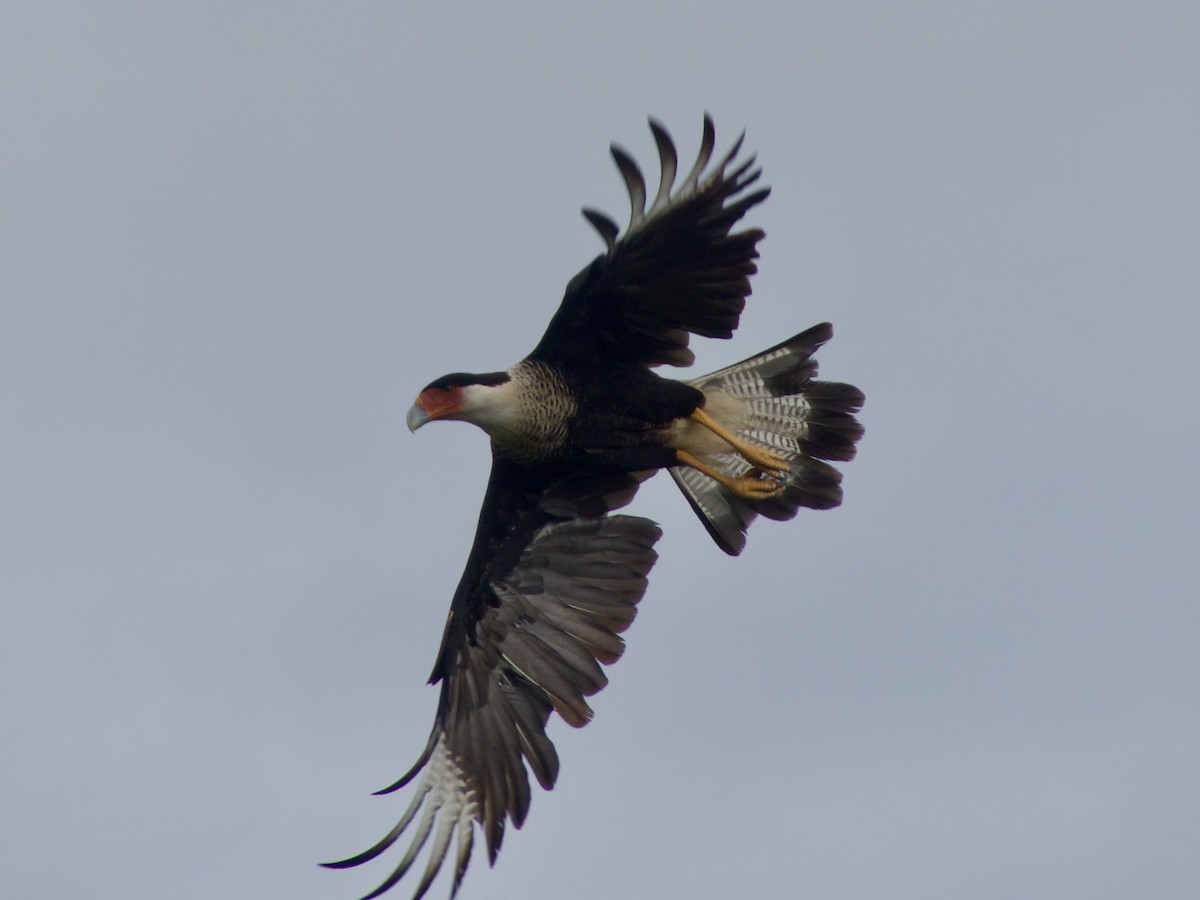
x=416 y=417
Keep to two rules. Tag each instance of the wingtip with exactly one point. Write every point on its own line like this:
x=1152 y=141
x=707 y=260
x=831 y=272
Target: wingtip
x=668 y=159
x=635 y=184
x=404 y=780
x=605 y=227
x=708 y=140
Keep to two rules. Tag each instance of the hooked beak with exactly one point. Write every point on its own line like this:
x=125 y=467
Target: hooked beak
x=416 y=417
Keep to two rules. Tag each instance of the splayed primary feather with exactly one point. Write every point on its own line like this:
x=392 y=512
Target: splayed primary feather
x=693 y=184
x=558 y=612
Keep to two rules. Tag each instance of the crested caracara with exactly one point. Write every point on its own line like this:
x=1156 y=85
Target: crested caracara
x=575 y=427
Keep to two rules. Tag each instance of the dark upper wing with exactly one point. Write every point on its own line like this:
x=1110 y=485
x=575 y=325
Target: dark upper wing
x=676 y=270
x=550 y=583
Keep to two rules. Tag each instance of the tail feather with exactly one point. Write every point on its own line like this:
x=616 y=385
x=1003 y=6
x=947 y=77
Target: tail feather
x=783 y=408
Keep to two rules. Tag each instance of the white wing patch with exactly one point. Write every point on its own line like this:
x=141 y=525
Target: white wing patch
x=560 y=611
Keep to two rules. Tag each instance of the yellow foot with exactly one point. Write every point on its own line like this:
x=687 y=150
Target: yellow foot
x=768 y=461
x=760 y=457
x=754 y=485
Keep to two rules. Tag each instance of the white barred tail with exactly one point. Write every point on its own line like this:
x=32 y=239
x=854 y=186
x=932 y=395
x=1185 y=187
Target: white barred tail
x=783 y=408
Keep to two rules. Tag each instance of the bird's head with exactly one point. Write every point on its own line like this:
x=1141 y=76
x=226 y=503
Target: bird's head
x=483 y=400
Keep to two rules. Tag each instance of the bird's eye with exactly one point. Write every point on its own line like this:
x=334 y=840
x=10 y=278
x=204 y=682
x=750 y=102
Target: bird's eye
x=448 y=389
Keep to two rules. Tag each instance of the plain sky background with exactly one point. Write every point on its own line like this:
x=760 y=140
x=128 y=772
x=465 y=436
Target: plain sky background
x=237 y=238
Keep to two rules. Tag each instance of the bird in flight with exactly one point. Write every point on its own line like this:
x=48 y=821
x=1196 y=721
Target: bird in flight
x=553 y=578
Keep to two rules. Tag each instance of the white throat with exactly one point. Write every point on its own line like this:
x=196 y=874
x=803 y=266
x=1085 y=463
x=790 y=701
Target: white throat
x=528 y=416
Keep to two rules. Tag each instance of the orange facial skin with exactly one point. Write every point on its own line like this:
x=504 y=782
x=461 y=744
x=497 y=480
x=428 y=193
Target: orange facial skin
x=434 y=403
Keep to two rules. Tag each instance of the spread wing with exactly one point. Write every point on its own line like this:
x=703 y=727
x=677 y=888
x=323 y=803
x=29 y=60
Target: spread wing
x=676 y=271
x=550 y=583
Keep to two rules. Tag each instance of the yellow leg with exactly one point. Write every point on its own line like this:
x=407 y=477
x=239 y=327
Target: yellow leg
x=759 y=457
x=751 y=486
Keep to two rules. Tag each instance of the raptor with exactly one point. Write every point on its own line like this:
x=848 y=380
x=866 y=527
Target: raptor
x=554 y=576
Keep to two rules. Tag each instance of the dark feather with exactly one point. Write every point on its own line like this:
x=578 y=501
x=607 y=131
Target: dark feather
x=604 y=225
x=677 y=270
x=668 y=162
x=551 y=582
x=634 y=184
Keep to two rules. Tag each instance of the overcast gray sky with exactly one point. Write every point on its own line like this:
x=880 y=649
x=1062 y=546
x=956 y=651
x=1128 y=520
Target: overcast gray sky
x=238 y=238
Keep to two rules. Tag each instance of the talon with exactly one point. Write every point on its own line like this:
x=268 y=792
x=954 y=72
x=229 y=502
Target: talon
x=754 y=485
x=776 y=477
x=758 y=457
x=768 y=461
